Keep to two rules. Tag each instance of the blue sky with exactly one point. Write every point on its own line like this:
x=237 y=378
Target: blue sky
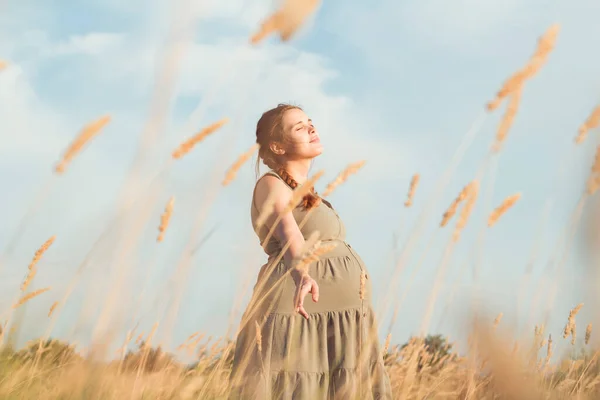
x=395 y=83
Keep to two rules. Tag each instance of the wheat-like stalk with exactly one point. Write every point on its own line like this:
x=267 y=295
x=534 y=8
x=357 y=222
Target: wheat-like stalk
x=232 y=172
x=588 y=333
x=386 y=344
x=315 y=254
x=549 y=349
x=538 y=331
x=286 y=20
x=148 y=341
x=52 y=308
x=497 y=320
x=454 y=206
x=343 y=176
x=164 y=219
x=194 y=343
x=258 y=336
x=538 y=337
x=508 y=118
x=24 y=299
x=544 y=46
x=301 y=191
x=202 y=349
x=187 y=342
x=312 y=243
x=592 y=122
x=214 y=349
x=593 y=182
x=86 y=134
x=32 y=270
x=363 y=284
x=139 y=338
x=122 y=351
x=503 y=208
x=41 y=251
x=472 y=192
x=570 y=326
x=193 y=335
x=27 y=281
x=412 y=189
x=189 y=144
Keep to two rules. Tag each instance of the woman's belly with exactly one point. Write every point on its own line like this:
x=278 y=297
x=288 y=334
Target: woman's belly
x=337 y=273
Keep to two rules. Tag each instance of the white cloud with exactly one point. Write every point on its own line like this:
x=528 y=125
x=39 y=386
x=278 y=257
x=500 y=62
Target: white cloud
x=30 y=127
x=95 y=43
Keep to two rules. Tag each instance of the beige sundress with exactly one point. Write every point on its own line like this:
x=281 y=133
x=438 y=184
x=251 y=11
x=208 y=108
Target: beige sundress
x=281 y=355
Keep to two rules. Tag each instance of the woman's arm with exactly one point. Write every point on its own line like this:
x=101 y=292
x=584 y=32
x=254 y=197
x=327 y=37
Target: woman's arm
x=287 y=230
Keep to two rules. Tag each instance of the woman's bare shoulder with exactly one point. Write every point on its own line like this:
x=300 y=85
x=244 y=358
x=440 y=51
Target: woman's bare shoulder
x=271 y=186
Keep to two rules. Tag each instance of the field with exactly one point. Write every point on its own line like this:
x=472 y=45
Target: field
x=122 y=365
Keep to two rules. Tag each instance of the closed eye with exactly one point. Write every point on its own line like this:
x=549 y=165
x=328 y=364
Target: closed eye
x=302 y=125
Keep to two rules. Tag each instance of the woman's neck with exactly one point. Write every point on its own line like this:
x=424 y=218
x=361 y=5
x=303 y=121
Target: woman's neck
x=298 y=170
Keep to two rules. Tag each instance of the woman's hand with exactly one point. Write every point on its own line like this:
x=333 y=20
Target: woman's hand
x=304 y=286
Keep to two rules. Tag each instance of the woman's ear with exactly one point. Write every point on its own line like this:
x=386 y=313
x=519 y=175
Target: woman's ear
x=276 y=148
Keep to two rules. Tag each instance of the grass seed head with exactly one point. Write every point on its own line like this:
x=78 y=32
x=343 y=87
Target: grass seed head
x=87 y=133
x=189 y=144
x=411 y=190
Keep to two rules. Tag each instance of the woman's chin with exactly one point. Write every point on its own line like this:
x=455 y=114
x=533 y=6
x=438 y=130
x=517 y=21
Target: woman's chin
x=318 y=150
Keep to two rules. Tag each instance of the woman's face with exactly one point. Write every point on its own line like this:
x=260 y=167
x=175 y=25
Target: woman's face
x=301 y=139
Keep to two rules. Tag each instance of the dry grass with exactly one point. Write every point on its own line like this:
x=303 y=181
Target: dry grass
x=287 y=20
x=508 y=118
x=570 y=327
x=593 y=182
x=592 y=122
x=515 y=83
x=494 y=367
x=86 y=134
x=233 y=170
x=302 y=191
x=164 y=220
x=503 y=208
x=343 y=176
x=52 y=308
x=25 y=298
x=471 y=195
x=454 y=206
x=414 y=182
x=314 y=254
x=189 y=144
x=31 y=269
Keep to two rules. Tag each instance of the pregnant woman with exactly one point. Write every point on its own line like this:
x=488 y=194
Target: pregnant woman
x=289 y=348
